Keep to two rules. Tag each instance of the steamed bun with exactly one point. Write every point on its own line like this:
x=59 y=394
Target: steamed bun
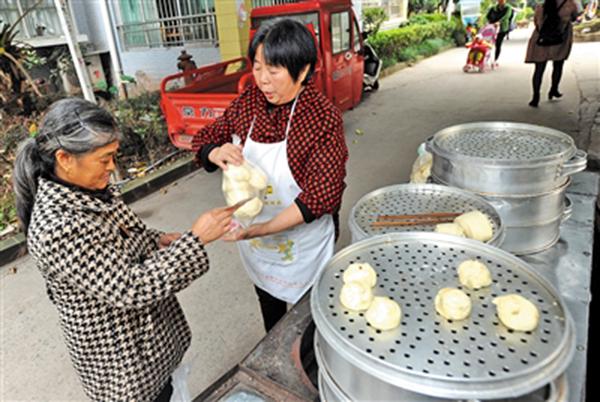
x=449 y=228
x=474 y=274
x=356 y=296
x=237 y=173
x=360 y=272
x=384 y=314
x=516 y=312
x=249 y=209
x=258 y=179
x=453 y=304
x=476 y=225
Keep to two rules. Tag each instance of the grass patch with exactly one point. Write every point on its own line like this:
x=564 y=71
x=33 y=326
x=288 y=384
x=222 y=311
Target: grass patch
x=427 y=48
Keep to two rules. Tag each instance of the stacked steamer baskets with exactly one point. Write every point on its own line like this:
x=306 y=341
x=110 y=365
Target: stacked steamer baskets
x=429 y=358
x=416 y=199
x=521 y=169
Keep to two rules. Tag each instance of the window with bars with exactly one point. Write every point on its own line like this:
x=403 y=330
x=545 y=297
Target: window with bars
x=266 y=3
x=41 y=21
x=163 y=23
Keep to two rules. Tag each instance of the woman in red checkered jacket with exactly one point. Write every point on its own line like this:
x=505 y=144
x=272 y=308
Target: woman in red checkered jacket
x=294 y=134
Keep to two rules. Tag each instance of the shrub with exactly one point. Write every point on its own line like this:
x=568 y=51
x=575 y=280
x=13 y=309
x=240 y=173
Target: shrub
x=139 y=119
x=525 y=14
x=14 y=130
x=427 y=6
x=485 y=7
x=390 y=44
x=423 y=19
x=372 y=19
x=144 y=130
x=588 y=27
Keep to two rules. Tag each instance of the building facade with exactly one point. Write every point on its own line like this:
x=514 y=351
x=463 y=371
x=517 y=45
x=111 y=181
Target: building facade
x=149 y=35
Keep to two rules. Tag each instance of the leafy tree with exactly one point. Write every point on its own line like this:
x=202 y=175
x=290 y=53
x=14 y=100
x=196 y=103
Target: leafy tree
x=13 y=56
x=424 y=6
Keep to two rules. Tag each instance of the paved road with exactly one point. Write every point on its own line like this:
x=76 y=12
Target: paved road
x=221 y=307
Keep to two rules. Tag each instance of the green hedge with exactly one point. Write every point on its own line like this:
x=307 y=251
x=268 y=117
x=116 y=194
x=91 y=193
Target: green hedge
x=525 y=14
x=391 y=45
x=422 y=19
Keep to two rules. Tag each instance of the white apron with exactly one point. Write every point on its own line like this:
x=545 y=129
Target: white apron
x=287 y=263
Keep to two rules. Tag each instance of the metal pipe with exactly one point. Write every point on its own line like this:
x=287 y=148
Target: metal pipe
x=117 y=68
x=66 y=21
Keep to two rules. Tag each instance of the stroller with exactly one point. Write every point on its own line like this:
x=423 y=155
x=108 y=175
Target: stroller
x=481 y=50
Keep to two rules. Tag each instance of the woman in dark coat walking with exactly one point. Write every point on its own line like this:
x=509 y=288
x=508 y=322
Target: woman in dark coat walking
x=567 y=12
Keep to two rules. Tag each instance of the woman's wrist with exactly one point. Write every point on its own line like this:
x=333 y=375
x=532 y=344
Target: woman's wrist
x=212 y=154
x=258 y=230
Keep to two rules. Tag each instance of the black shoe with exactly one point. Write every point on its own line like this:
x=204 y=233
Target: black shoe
x=554 y=94
x=535 y=101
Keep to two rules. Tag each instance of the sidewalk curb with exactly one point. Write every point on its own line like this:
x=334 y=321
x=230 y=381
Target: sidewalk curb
x=591 y=37
x=16 y=246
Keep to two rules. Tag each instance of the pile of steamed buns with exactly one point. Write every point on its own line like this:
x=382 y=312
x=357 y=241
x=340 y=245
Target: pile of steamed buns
x=243 y=182
x=515 y=312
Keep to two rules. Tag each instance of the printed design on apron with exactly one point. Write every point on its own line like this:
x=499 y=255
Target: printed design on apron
x=281 y=245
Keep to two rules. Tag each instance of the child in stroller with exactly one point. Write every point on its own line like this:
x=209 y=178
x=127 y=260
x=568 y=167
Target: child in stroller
x=481 y=54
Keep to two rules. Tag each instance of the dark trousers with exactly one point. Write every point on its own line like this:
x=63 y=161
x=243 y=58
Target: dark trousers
x=271 y=307
x=538 y=74
x=499 y=40
x=165 y=394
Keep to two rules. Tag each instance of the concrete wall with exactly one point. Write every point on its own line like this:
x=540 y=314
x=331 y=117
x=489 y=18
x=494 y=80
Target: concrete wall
x=88 y=19
x=233 y=23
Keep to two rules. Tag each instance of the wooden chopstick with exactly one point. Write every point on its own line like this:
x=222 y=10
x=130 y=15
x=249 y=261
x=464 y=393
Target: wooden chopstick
x=411 y=223
x=427 y=215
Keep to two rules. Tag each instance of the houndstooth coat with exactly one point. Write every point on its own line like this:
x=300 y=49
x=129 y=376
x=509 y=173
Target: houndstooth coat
x=114 y=290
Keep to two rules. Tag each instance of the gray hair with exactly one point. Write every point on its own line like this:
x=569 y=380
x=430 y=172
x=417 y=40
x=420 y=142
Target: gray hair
x=73 y=125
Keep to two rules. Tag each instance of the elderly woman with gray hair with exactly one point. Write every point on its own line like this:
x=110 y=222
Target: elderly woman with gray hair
x=112 y=279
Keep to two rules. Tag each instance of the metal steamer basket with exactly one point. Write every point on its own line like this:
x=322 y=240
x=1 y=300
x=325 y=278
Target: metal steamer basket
x=428 y=358
x=556 y=391
x=409 y=199
x=533 y=238
x=526 y=209
x=504 y=158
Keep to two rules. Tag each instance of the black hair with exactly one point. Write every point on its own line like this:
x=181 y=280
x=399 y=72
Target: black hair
x=286 y=43
x=74 y=125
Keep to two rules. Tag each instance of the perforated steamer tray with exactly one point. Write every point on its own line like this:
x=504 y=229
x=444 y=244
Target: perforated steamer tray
x=411 y=199
x=501 y=142
x=474 y=358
